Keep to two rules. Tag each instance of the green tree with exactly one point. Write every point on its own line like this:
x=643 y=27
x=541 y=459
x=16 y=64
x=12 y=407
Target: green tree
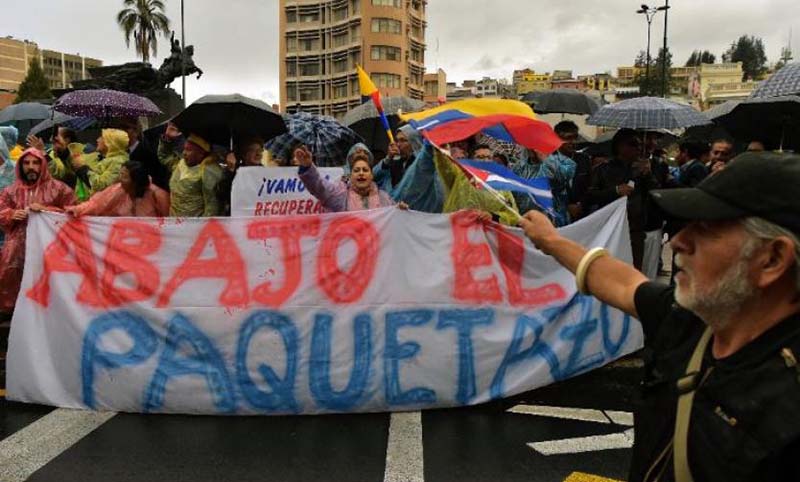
x=700 y=57
x=35 y=85
x=143 y=20
x=749 y=50
x=652 y=86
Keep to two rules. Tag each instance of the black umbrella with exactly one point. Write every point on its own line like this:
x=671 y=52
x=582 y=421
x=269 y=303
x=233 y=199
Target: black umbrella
x=44 y=128
x=365 y=121
x=222 y=118
x=772 y=120
x=562 y=101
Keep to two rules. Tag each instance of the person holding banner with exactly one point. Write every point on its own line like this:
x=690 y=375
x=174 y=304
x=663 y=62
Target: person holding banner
x=358 y=194
x=722 y=378
x=33 y=190
x=133 y=196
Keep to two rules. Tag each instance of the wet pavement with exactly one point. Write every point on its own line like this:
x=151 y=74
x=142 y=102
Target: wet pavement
x=483 y=443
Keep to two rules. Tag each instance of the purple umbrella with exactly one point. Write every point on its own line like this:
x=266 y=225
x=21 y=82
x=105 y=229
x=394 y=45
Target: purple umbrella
x=105 y=104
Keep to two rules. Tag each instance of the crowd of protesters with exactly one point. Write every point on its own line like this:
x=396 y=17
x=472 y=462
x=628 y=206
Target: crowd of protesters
x=184 y=175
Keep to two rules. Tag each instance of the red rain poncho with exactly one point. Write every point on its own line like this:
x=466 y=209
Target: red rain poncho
x=46 y=191
x=114 y=201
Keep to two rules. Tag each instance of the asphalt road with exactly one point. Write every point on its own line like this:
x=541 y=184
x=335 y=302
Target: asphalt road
x=535 y=437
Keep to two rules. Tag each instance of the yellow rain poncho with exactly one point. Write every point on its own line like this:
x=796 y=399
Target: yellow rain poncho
x=193 y=190
x=105 y=172
x=461 y=194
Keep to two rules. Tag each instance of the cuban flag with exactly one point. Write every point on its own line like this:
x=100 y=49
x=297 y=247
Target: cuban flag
x=501 y=178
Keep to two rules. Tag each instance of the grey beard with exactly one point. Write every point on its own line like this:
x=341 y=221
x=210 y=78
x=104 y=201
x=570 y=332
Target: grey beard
x=718 y=307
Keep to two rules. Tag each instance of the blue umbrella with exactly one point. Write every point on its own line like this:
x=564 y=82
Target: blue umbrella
x=647 y=113
x=327 y=139
x=784 y=82
x=25 y=111
x=59 y=119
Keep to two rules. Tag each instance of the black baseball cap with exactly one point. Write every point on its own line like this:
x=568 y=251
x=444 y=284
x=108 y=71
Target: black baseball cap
x=761 y=184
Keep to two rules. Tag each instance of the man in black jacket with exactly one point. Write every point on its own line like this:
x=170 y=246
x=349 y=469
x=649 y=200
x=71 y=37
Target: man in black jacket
x=722 y=385
x=692 y=170
x=629 y=175
x=141 y=151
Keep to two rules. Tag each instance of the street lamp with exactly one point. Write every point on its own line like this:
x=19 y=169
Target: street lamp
x=183 y=58
x=665 y=9
x=650 y=13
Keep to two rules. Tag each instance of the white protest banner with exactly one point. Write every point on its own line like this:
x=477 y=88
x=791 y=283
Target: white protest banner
x=275 y=191
x=346 y=312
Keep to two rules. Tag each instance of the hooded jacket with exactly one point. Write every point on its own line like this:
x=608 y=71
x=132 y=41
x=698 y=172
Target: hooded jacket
x=50 y=193
x=193 y=190
x=105 y=171
x=389 y=173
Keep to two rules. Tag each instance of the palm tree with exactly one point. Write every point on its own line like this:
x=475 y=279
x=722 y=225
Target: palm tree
x=143 y=20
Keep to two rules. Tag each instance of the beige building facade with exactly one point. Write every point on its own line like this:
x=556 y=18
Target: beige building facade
x=59 y=68
x=322 y=41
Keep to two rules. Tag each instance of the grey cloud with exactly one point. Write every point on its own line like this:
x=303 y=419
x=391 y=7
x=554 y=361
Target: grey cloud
x=237 y=44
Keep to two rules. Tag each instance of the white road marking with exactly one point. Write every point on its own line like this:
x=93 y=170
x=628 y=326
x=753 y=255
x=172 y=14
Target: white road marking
x=404 y=448
x=585 y=444
x=582 y=414
x=28 y=450
x=581 y=444
x=620 y=418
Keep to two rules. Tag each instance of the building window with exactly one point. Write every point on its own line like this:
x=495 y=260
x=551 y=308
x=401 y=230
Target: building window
x=291 y=16
x=309 y=17
x=340 y=14
x=385 y=52
x=309 y=69
x=416 y=55
x=339 y=91
x=386 y=25
x=340 y=40
x=355 y=33
x=309 y=44
x=388 y=3
x=291 y=44
x=309 y=93
x=391 y=81
x=340 y=66
x=291 y=69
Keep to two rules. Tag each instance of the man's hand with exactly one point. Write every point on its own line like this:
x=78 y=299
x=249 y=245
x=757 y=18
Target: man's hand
x=302 y=157
x=71 y=211
x=230 y=162
x=717 y=167
x=35 y=142
x=394 y=151
x=402 y=205
x=172 y=132
x=19 y=215
x=538 y=228
x=36 y=207
x=77 y=161
x=624 y=190
x=644 y=167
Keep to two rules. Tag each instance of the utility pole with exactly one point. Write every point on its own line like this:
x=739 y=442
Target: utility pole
x=183 y=58
x=665 y=8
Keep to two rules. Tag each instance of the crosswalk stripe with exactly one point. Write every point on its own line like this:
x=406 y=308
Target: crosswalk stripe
x=28 y=450
x=404 y=448
x=585 y=444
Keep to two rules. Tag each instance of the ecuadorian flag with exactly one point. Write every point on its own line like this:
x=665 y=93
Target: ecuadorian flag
x=369 y=91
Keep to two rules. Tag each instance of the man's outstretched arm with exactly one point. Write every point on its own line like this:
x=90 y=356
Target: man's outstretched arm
x=608 y=279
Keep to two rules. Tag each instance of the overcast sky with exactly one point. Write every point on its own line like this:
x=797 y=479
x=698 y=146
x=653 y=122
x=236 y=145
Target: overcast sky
x=236 y=41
